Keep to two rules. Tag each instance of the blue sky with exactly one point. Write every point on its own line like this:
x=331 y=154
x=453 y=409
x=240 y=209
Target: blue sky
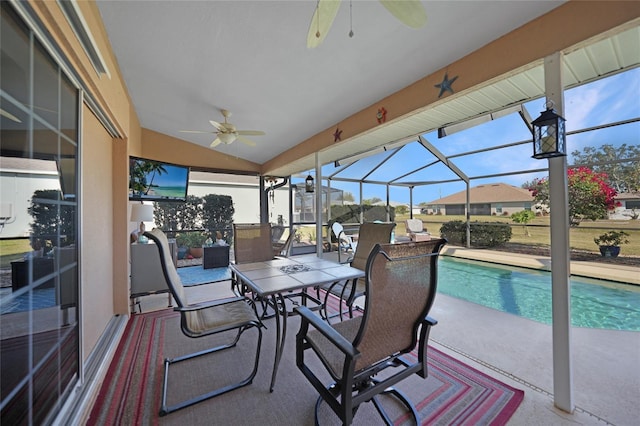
x=604 y=101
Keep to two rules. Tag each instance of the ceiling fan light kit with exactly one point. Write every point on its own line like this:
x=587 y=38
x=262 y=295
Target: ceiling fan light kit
x=227 y=133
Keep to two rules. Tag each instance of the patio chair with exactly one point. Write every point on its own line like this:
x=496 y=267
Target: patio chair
x=348 y=291
x=400 y=283
x=252 y=242
x=204 y=319
x=345 y=243
x=416 y=230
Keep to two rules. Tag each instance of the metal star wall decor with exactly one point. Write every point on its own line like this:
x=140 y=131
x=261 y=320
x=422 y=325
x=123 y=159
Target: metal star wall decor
x=445 y=86
x=337 y=135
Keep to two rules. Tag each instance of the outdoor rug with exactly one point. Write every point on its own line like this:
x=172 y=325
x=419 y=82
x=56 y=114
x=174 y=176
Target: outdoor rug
x=453 y=394
x=196 y=275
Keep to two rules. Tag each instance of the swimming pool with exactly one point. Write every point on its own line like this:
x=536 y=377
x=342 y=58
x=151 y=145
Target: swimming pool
x=527 y=293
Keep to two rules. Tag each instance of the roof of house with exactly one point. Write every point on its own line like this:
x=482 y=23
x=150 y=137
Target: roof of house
x=489 y=193
x=628 y=196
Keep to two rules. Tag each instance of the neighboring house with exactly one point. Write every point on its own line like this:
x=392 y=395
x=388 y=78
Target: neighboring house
x=19 y=178
x=627 y=206
x=498 y=199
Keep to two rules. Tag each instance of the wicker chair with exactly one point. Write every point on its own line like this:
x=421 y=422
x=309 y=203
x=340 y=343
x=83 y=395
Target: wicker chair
x=369 y=235
x=204 y=319
x=401 y=285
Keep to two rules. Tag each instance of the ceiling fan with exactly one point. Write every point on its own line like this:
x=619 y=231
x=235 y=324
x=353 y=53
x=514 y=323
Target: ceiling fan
x=409 y=12
x=227 y=132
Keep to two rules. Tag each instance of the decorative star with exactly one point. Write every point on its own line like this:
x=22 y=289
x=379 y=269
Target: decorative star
x=445 y=86
x=337 y=135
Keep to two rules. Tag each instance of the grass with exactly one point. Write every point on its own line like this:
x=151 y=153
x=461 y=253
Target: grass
x=11 y=250
x=580 y=237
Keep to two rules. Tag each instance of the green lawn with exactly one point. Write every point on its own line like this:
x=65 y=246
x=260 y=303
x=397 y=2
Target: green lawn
x=580 y=237
x=11 y=250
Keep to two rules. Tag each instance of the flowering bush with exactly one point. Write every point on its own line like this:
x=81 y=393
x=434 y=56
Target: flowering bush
x=590 y=196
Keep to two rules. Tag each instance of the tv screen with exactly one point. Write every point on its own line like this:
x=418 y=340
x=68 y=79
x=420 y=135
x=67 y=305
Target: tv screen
x=157 y=181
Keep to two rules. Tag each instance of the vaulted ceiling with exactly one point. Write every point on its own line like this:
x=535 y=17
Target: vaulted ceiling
x=184 y=61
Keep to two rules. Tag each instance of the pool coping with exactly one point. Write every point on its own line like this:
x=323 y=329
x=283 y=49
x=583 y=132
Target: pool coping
x=619 y=273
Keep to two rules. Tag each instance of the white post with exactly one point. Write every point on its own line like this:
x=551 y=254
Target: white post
x=318 y=191
x=560 y=256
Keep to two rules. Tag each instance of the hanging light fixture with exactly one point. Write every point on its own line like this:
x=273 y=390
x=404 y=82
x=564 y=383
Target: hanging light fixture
x=309 y=184
x=549 y=135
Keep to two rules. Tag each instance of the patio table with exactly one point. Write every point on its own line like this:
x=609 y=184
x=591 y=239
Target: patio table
x=273 y=278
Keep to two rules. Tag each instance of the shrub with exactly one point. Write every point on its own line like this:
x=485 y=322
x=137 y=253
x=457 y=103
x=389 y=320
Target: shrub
x=482 y=234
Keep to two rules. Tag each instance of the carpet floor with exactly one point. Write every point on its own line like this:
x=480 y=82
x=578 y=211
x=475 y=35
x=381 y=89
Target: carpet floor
x=453 y=394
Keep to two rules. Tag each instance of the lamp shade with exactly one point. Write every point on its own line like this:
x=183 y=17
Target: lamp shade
x=142 y=213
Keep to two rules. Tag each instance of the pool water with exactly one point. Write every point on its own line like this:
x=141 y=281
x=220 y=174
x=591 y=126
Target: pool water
x=527 y=293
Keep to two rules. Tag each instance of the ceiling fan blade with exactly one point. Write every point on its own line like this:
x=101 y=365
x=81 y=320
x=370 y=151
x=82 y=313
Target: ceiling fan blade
x=251 y=132
x=215 y=143
x=321 y=22
x=217 y=125
x=246 y=141
x=9 y=116
x=409 y=12
x=194 y=131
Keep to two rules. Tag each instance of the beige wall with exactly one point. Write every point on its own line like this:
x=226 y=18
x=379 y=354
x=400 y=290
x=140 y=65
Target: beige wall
x=97 y=224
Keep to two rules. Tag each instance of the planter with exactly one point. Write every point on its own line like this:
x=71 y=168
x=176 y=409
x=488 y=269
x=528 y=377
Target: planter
x=182 y=252
x=610 y=251
x=196 y=252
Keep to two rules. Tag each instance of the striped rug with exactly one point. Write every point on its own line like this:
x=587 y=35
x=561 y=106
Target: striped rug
x=453 y=394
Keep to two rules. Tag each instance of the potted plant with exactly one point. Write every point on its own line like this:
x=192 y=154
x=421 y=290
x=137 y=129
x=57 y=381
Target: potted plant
x=610 y=242
x=194 y=240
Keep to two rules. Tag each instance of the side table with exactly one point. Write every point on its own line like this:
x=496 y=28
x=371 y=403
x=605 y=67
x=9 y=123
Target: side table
x=215 y=257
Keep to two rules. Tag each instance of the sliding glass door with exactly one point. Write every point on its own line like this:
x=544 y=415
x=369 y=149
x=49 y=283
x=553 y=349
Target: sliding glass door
x=39 y=337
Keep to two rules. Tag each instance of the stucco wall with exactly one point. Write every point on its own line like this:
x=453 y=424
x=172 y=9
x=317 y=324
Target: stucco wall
x=97 y=230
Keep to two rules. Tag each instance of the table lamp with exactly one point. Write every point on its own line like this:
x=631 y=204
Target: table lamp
x=141 y=213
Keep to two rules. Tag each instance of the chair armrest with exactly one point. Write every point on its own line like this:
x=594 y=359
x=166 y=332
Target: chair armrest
x=208 y=304
x=429 y=321
x=327 y=331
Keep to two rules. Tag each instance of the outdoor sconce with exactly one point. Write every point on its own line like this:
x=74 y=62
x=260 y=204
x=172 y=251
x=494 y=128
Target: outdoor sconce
x=308 y=184
x=549 y=138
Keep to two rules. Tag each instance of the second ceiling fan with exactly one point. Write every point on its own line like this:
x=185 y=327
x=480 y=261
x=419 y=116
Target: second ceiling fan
x=227 y=132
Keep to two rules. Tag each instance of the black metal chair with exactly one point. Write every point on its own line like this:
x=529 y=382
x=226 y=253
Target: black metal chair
x=204 y=319
x=400 y=282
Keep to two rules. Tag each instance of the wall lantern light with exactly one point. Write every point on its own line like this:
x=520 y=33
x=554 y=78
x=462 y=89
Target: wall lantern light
x=549 y=138
x=308 y=184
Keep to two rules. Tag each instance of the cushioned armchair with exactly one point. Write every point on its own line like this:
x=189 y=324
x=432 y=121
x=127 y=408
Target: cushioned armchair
x=400 y=283
x=416 y=230
x=204 y=319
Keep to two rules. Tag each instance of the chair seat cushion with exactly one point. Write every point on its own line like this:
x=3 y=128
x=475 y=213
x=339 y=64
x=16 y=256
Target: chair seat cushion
x=219 y=318
x=327 y=351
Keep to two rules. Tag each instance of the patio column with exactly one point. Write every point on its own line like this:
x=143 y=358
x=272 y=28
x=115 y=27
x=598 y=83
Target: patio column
x=318 y=191
x=560 y=265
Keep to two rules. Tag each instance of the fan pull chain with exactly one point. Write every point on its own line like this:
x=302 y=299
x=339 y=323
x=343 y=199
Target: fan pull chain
x=351 y=18
x=318 y=21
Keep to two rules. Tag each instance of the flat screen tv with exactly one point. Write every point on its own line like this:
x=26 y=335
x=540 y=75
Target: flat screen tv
x=151 y=180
